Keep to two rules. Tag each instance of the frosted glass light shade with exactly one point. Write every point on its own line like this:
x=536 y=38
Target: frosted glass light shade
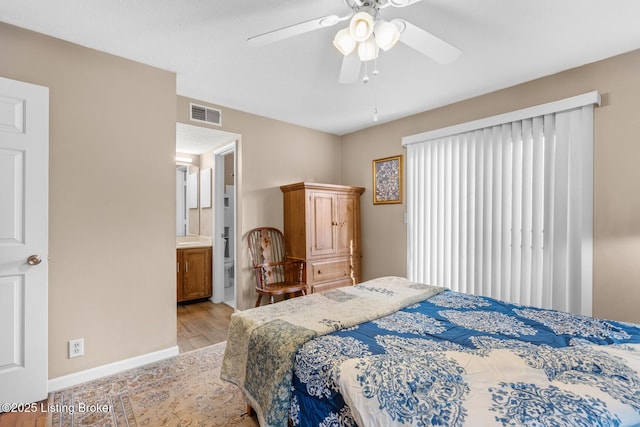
x=344 y=42
x=368 y=49
x=386 y=34
x=361 y=26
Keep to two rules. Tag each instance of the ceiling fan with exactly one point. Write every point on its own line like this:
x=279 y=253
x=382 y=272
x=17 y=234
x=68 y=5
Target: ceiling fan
x=366 y=34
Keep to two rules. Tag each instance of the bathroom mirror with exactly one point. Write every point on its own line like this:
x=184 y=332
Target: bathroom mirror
x=187 y=200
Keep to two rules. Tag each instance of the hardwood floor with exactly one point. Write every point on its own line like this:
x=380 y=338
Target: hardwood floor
x=202 y=324
x=24 y=419
x=199 y=325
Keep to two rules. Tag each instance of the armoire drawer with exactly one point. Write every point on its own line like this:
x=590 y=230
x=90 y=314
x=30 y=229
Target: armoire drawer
x=322 y=271
x=326 y=286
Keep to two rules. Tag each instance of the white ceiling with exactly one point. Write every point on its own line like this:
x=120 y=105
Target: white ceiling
x=503 y=43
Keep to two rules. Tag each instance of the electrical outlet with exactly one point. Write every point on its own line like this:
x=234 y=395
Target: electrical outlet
x=76 y=348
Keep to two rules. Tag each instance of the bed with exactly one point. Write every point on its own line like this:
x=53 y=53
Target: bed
x=390 y=352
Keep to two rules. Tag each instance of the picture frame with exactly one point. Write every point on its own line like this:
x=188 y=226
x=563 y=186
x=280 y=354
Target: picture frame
x=387 y=180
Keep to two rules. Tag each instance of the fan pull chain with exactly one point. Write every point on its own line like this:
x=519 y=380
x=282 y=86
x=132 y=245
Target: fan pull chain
x=365 y=80
x=375 y=73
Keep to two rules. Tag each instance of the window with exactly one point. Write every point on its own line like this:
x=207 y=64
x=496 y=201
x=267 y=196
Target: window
x=502 y=207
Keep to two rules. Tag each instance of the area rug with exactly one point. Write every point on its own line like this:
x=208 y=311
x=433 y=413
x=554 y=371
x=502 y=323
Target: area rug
x=185 y=390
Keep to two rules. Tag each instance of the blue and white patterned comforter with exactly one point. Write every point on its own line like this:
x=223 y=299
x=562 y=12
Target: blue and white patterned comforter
x=457 y=359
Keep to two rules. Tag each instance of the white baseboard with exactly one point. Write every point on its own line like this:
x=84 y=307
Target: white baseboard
x=110 y=369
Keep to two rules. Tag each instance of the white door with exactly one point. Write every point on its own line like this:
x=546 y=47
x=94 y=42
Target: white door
x=24 y=182
x=218 y=227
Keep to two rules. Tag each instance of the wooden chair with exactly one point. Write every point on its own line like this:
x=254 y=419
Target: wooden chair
x=276 y=274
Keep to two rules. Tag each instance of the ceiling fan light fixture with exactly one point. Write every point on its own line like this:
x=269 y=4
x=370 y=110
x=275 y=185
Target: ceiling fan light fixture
x=344 y=42
x=368 y=49
x=361 y=26
x=386 y=34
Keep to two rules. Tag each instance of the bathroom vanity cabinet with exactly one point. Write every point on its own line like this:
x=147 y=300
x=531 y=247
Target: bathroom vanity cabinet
x=194 y=273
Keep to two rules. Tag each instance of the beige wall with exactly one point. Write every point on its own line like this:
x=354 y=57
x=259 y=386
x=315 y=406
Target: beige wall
x=616 y=175
x=111 y=198
x=270 y=153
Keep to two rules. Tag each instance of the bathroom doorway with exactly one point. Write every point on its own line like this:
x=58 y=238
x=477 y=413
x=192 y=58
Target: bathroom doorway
x=203 y=146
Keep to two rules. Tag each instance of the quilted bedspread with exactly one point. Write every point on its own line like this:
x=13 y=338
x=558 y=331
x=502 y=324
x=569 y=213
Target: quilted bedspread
x=464 y=360
x=263 y=341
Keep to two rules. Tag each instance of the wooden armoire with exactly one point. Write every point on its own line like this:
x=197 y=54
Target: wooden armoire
x=322 y=228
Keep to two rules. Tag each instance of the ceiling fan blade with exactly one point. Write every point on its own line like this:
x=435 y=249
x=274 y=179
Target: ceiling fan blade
x=294 y=30
x=350 y=70
x=426 y=43
x=401 y=3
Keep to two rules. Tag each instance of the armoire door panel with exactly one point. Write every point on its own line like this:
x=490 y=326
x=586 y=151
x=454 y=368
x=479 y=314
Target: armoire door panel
x=346 y=220
x=323 y=224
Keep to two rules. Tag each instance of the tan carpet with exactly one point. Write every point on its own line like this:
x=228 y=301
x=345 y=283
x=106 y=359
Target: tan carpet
x=185 y=390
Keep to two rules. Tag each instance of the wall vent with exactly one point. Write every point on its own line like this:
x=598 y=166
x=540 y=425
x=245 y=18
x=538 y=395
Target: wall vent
x=206 y=114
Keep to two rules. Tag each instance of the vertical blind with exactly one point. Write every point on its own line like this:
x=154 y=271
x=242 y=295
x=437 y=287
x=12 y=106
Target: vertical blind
x=505 y=209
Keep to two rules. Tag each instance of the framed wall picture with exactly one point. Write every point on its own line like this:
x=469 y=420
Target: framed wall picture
x=387 y=180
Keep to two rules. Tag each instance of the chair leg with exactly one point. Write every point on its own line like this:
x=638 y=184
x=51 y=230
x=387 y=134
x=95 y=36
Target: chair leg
x=271 y=300
x=259 y=300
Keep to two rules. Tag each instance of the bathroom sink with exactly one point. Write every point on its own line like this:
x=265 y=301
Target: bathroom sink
x=194 y=243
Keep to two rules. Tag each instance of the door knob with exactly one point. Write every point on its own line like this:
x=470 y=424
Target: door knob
x=34 y=260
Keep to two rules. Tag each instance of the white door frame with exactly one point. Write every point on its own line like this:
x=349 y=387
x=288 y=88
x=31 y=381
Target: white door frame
x=218 y=223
